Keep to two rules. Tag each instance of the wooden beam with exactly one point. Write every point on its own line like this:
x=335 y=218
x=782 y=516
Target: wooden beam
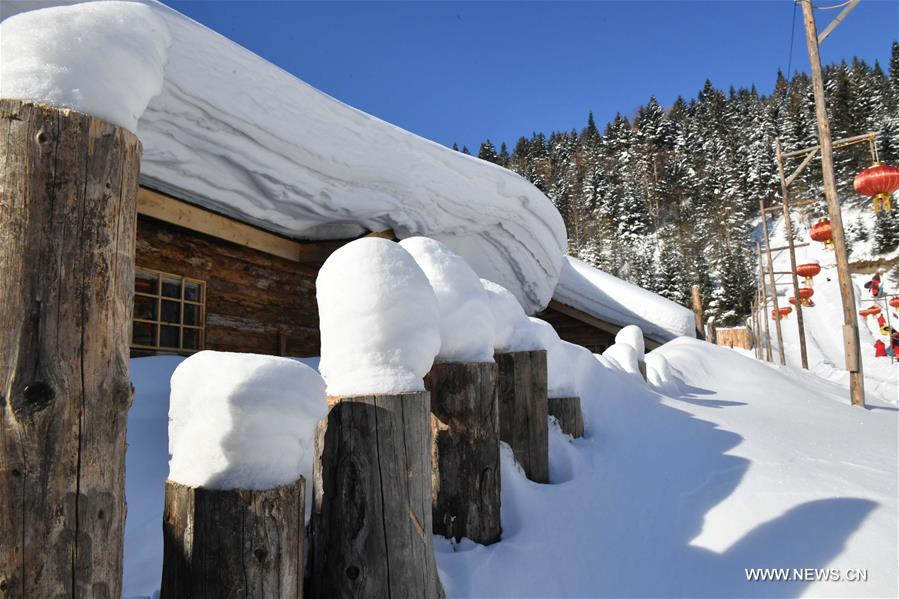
x=839 y=143
x=597 y=323
x=837 y=20
x=789 y=180
x=783 y=247
x=171 y=210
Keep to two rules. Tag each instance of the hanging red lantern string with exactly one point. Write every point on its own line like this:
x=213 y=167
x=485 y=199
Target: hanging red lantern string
x=878 y=182
x=822 y=231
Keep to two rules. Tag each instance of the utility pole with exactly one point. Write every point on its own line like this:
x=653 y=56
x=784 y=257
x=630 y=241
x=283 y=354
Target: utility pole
x=850 y=325
x=773 y=284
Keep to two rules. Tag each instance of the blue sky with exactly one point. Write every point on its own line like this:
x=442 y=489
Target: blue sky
x=465 y=71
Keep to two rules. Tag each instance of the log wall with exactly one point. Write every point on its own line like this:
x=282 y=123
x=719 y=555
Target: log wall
x=254 y=301
x=734 y=337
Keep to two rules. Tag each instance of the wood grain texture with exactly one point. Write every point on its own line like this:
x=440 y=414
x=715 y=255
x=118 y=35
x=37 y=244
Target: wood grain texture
x=523 y=410
x=233 y=543
x=567 y=410
x=68 y=189
x=465 y=461
x=371 y=514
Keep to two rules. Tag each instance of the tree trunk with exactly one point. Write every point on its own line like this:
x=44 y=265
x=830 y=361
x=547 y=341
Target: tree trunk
x=567 y=410
x=371 y=516
x=68 y=197
x=466 y=483
x=523 y=410
x=233 y=543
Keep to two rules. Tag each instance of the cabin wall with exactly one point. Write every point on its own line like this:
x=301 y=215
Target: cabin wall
x=575 y=331
x=252 y=298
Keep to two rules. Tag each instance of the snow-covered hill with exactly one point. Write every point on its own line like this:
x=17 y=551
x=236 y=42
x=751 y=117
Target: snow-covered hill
x=729 y=464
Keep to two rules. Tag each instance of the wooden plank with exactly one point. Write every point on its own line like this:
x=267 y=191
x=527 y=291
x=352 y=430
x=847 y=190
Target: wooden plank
x=68 y=194
x=371 y=513
x=466 y=475
x=523 y=410
x=839 y=143
x=231 y=544
x=602 y=325
x=171 y=210
x=780 y=248
x=567 y=411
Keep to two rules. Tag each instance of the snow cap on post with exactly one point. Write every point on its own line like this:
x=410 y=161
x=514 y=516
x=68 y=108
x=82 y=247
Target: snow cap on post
x=632 y=336
x=379 y=320
x=105 y=59
x=508 y=315
x=242 y=421
x=466 y=322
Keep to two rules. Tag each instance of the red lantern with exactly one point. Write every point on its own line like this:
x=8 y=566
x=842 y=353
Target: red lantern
x=879 y=182
x=874 y=310
x=894 y=302
x=808 y=271
x=822 y=231
x=783 y=313
x=863 y=313
x=805 y=294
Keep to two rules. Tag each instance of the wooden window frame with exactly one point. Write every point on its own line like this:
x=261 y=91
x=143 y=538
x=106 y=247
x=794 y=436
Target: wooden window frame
x=200 y=327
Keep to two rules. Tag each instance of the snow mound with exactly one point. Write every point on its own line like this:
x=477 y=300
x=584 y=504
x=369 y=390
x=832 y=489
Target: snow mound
x=508 y=318
x=242 y=421
x=236 y=134
x=632 y=336
x=466 y=319
x=105 y=59
x=378 y=318
x=660 y=375
x=599 y=294
x=624 y=357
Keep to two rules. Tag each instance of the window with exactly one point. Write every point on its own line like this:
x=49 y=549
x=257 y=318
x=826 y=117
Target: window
x=169 y=312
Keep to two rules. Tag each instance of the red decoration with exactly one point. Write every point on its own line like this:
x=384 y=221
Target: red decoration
x=805 y=294
x=879 y=182
x=822 y=231
x=880 y=350
x=894 y=302
x=783 y=313
x=875 y=309
x=808 y=271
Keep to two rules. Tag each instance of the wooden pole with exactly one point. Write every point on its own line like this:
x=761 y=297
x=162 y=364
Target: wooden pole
x=788 y=224
x=523 y=410
x=233 y=543
x=371 y=510
x=773 y=284
x=850 y=324
x=697 y=311
x=764 y=304
x=68 y=210
x=567 y=410
x=466 y=483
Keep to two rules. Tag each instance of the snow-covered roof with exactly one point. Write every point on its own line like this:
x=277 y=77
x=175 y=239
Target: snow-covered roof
x=608 y=298
x=236 y=134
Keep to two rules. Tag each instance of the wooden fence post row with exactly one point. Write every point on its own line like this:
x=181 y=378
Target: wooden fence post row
x=233 y=543
x=68 y=211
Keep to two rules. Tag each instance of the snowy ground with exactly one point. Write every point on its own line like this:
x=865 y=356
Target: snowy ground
x=738 y=464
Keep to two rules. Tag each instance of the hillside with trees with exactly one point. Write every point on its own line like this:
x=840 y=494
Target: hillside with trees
x=669 y=197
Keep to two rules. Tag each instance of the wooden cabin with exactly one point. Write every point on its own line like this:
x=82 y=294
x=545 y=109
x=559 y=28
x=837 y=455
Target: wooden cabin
x=208 y=281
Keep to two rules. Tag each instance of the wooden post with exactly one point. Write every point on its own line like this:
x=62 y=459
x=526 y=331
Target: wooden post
x=68 y=210
x=711 y=332
x=371 y=512
x=466 y=484
x=523 y=410
x=850 y=324
x=788 y=224
x=758 y=249
x=773 y=283
x=233 y=543
x=567 y=410
x=697 y=311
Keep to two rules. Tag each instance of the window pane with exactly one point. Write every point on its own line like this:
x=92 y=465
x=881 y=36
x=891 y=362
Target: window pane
x=191 y=339
x=191 y=314
x=171 y=287
x=168 y=337
x=143 y=334
x=192 y=292
x=145 y=307
x=145 y=282
x=171 y=311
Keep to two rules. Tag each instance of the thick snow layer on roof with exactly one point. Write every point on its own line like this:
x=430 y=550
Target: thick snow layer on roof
x=238 y=135
x=599 y=294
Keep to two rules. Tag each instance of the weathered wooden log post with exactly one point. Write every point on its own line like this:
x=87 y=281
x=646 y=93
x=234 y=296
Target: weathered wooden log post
x=696 y=293
x=567 y=410
x=523 y=409
x=68 y=197
x=466 y=484
x=220 y=544
x=371 y=516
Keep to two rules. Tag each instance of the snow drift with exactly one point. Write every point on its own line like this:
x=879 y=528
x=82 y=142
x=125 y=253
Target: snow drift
x=236 y=134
